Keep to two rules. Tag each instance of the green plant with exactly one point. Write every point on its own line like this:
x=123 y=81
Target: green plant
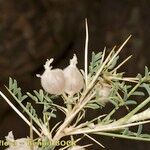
x=103 y=84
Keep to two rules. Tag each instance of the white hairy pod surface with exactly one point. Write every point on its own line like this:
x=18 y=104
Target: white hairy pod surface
x=74 y=79
x=52 y=80
x=104 y=91
x=77 y=147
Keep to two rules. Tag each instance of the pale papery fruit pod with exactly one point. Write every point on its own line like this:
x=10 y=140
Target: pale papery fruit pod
x=104 y=91
x=19 y=144
x=52 y=80
x=77 y=147
x=74 y=79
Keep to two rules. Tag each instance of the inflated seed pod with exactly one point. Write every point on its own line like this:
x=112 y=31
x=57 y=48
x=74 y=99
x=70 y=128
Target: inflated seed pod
x=74 y=79
x=104 y=91
x=76 y=147
x=52 y=80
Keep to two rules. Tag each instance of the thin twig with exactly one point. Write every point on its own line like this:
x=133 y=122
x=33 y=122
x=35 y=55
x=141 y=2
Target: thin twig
x=134 y=80
x=122 y=63
x=119 y=50
x=106 y=128
x=123 y=136
x=94 y=140
x=86 y=51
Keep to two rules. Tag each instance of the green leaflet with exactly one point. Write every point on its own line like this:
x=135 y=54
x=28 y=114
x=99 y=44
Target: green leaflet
x=31 y=110
x=13 y=87
x=95 y=63
x=147 y=87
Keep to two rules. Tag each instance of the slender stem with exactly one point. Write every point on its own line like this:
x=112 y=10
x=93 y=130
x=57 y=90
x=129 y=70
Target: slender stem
x=103 y=56
x=67 y=101
x=110 y=114
x=119 y=50
x=135 y=87
x=86 y=51
x=105 y=128
x=115 y=69
x=94 y=140
x=123 y=136
x=134 y=80
x=80 y=116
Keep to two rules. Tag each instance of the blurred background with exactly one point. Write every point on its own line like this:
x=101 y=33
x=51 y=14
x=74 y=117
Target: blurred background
x=33 y=30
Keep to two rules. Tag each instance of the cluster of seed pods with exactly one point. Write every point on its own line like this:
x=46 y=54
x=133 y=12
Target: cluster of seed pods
x=57 y=81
